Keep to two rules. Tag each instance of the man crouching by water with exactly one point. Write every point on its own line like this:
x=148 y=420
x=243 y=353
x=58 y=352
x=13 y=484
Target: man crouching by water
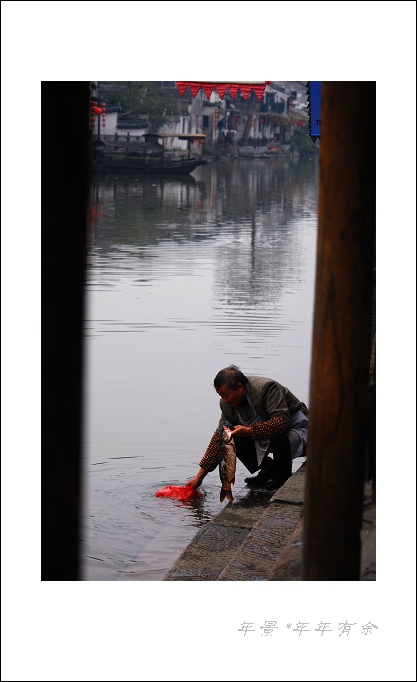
x=266 y=419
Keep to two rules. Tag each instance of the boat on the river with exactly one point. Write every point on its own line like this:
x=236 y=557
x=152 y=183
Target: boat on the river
x=145 y=154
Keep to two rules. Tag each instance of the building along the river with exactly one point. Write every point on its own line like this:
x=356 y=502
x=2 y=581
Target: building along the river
x=243 y=123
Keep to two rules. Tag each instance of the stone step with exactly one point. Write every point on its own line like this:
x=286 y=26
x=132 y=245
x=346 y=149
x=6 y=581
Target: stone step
x=269 y=537
x=259 y=537
x=214 y=545
x=288 y=566
x=211 y=553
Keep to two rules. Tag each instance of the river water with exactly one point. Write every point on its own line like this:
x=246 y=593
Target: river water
x=184 y=277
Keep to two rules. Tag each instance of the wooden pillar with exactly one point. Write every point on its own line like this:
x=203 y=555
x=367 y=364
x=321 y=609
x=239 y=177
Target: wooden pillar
x=342 y=332
x=65 y=171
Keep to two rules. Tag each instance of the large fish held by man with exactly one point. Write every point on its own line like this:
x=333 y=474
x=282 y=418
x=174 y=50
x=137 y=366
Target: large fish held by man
x=227 y=464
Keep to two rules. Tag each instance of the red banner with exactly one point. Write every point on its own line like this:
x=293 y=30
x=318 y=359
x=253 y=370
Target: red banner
x=208 y=86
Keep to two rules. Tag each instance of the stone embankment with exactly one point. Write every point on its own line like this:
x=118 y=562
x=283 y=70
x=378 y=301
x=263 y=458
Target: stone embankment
x=259 y=537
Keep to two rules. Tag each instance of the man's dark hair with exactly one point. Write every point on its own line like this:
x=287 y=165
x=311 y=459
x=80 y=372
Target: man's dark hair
x=231 y=377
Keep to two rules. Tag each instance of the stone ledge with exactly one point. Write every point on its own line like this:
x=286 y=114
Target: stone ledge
x=288 y=566
x=208 y=553
x=228 y=549
x=368 y=543
x=246 y=509
x=292 y=492
x=255 y=558
x=259 y=537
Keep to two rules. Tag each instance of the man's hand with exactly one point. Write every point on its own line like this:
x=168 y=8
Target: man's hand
x=239 y=431
x=198 y=479
x=194 y=482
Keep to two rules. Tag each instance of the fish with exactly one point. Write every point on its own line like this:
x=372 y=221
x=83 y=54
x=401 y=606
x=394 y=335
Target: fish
x=227 y=464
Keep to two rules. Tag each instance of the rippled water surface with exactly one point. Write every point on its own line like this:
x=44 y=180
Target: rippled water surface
x=185 y=276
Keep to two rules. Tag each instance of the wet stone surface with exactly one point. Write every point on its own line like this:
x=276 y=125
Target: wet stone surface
x=208 y=553
x=245 y=538
x=246 y=510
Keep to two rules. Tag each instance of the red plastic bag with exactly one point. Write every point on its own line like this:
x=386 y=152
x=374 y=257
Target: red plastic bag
x=178 y=492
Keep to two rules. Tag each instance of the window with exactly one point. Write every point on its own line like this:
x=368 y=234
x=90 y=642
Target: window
x=205 y=121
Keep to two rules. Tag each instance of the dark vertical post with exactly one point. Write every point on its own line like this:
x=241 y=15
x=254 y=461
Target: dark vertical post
x=64 y=219
x=342 y=333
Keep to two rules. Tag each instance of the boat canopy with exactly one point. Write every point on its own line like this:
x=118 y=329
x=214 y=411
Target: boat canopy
x=196 y=136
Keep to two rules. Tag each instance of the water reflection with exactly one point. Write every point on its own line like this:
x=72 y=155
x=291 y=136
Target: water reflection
x=184 y=276
x=230 y=195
